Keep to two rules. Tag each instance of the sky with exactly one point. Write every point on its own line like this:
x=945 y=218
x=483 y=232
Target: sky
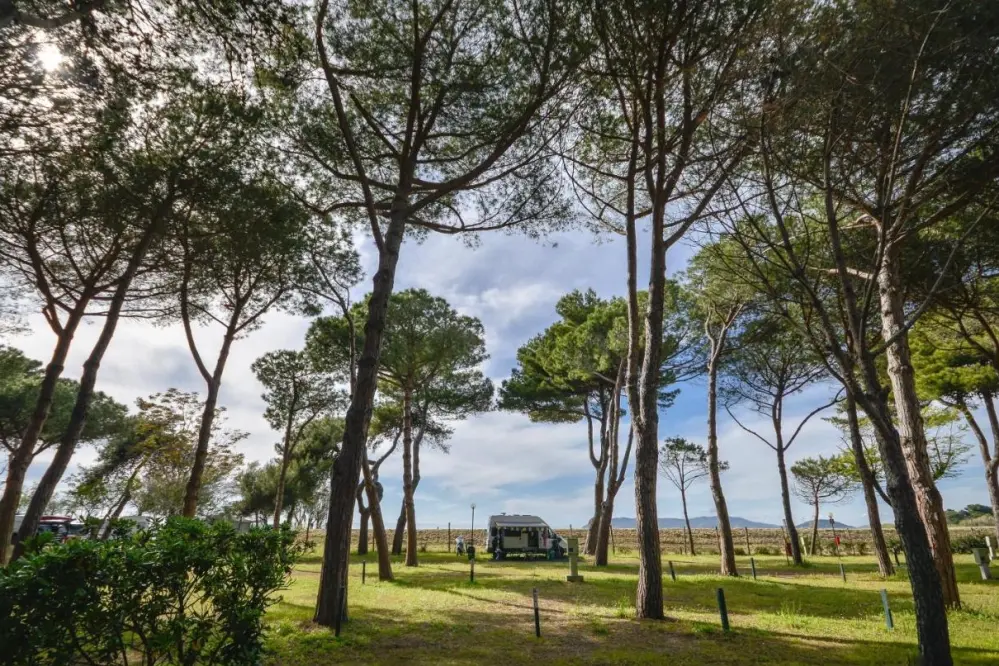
x=499 y=461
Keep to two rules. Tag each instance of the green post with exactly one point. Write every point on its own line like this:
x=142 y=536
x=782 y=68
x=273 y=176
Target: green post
x=573 y=576
x=722 y=609
x=889 y=620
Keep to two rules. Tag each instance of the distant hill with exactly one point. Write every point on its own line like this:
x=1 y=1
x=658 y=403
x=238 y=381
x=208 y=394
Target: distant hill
x=700 y=522
x=824 y=525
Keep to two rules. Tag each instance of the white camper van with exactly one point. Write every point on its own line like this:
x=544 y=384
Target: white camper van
x=525 y=535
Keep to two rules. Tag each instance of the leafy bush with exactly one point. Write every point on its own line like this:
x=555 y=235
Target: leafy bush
x=963 y=543
x=184 y=593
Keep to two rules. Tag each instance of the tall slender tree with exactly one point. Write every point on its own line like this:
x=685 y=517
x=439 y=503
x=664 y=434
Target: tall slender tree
x=297 y=393
x=434 y=115
x=429 y=356
x=818 y=480
x=769 y=366
x=684 y=463
x=668 y=77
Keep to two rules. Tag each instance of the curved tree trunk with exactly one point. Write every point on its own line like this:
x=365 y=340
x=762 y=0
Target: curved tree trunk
x=911 y=431
x=85 y=392
x=726 y=543
x=686 y=521
x=347 y=468
x=400 y=530
x=603 y=533
x=214 y=385
x=20 y=459
x=991 y=461
x=365 y=513
x=867 y=483
x=785 y=496
x=377 y=524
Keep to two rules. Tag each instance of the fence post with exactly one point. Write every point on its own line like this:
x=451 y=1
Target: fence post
x=842 y=571
x=449 y=537
x=471 y=571
x=672 y=574
x=722 y=610
x=889 y=622
x=364 y=571
x=752 y=564
x=749 y=549
x=537 y=615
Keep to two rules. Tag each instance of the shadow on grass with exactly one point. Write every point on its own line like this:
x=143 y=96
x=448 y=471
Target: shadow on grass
x=695 y=593
x=506 y=636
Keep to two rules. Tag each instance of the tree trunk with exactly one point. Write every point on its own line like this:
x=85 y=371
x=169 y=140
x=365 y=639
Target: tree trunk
x=347 y=468
x=815 y=527
x=125 y=498
x=77 y=419
x=924 y=577
x=365 y=513
x=726 y=543
x=603 y=533
x=377 y=524
x=983 y=447
x=785 y=496
x=992 y=469
x=20 y=459
x=279 y=497
x=214 y=384
x=598 y=502
x=911 y=432
x=400 y=530
x=885 y=566
x=407 y=477
x=362 y=534
x=686 y=520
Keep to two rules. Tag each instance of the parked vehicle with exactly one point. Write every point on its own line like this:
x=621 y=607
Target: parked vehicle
x=525 y=535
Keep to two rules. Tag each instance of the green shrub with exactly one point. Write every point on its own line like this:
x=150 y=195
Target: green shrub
x=184 y=593
x=963 y=543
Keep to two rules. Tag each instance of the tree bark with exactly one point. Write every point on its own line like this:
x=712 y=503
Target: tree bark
x=20 y=459
x=598 y=502
x=983 y=447
x=407 y=477
x=285 y=455
x=279 y=498
x=365 y=513
x=726 y=543
x=400 y=530
x=214 y=385
x=77 y=419
x=347 y=468
x=686 y=521
x=603 y=533
x=885 y=566
x=815 y=527
x=785 y=495
x=911 y=432
x=377 y=524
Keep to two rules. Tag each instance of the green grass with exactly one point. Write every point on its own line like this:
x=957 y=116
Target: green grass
x=433 y=615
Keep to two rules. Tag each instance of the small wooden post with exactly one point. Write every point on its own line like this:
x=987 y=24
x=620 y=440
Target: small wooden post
x=537 y=615
x=471 y=571
x=364 y=571
x=888 y=618
x=842 y=571
x=449 y=537
x=722 y=610
x=752 y=564
x=672 y=574
x=749 y=549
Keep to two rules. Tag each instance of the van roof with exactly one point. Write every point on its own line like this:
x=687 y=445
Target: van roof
x=519 y=520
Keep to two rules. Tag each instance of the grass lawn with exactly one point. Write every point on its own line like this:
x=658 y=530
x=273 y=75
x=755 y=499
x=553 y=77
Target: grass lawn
x=433 y=615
